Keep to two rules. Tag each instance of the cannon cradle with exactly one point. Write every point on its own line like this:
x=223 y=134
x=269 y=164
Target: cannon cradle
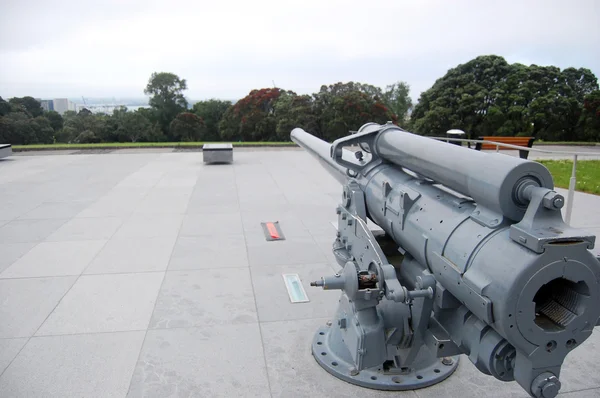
x=475 y=259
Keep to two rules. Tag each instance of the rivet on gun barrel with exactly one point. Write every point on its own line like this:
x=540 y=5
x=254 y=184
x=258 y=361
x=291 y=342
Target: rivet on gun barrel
x=476 y=259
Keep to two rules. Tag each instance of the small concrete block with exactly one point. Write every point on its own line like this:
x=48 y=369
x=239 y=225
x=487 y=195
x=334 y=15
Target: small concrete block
x=55 y=259
x=207 y=297
x=209 y=252
x=20 y=231
x=133 y=255
x=105 y=303
x=215 y=361
x=293 y=372
x=9 y=348
x=272 y=298
x=217 y=153
x=26 y=303
x=98 y=365
x=5 y=150
x=87 y=229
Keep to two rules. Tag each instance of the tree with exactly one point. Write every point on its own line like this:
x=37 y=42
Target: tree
x=293 y=111
x=344 y=107
x=135 y=126
x=77 y=123
x=187 y=127
x=4 y=107
x=396 y=97
x=589 y=124
x=56 y=120
x=166 y=91
x=487 y=97
x=19 y=129
x=252 y=118
x=211 y=112
x=29 y=104
x=43 y=130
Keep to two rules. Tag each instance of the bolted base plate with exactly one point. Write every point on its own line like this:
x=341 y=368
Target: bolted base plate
x=333 y=356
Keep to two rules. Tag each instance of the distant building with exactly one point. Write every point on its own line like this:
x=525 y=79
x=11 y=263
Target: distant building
x=47 y=105
x=61 y=105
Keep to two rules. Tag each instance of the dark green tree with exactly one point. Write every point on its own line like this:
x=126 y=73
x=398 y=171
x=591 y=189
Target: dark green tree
x=397 y=99
x=29 y=104
x=488 y=97
x=134 y=126
x=293 y=111
x=56 y=120
x=344 y=107
x=211 y=112
x=4 y=107
x=187 y=127
x=166 y=97
x=589 y=123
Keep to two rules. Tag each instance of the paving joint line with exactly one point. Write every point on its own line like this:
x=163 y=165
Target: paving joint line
x=262 y=341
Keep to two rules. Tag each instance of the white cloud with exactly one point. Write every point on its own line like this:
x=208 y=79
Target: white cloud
x=225 y=49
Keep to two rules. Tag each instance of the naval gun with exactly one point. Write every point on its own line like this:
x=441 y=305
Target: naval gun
x=471 y=256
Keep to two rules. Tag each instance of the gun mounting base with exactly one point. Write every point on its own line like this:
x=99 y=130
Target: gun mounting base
x=331 y=354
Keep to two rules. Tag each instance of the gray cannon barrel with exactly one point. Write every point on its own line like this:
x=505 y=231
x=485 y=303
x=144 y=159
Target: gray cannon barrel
x=321 y=150
x=494 y=181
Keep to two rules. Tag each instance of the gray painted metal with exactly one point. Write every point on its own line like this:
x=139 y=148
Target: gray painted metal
x=478 y=260
x=5 y=150
x=217 y=153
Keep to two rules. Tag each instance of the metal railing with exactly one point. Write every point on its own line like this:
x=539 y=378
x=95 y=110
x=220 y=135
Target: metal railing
x=575 y=155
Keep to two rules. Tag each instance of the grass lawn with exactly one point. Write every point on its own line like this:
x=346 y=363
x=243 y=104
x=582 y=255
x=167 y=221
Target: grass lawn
x=588 y=174
x=140 y=145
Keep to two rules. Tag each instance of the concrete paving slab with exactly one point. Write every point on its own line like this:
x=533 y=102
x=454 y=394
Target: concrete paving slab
x=86 y=229
x=133 y=255
x=55 y=259
x=580 y=369
x=148 y=191
x=209 y=252
x=105 y=303
x=293 y=372
x=115 y=204
x=24 y=231
x=591 y=393
x=150 y=226
x=206 y=297
x=89 y=365
x=211 y=361
x=212 y=224
x=11 y=252
x=300 y=250
x=26 y=303
x=49 y=210
x=272 y=299
x=164 y=201
x=9 y=348
x=290 y=224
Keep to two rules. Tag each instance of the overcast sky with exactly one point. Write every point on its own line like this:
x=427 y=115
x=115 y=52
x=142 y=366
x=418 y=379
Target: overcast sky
x=224 y=49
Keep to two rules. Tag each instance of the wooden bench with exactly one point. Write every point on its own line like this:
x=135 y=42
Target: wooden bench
x=518 y=141
x=5 y=150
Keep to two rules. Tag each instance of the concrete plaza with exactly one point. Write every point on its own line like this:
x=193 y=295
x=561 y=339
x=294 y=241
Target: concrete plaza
x=146 y=273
